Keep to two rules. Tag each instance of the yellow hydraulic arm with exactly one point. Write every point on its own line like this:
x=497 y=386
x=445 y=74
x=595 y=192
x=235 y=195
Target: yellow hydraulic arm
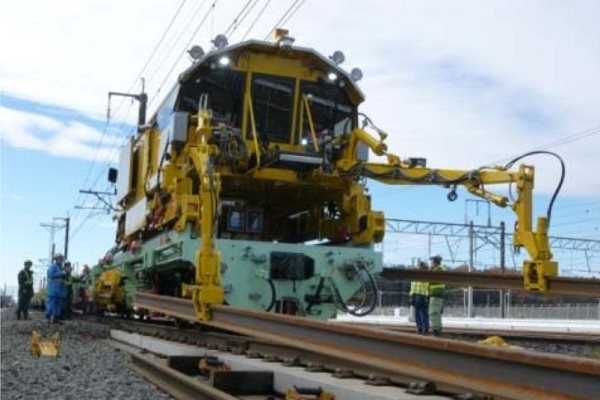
x=208 y=289
x=413 y=172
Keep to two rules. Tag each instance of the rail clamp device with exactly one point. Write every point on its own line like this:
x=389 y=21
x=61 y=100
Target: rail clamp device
x=298 y=393
x=40 y=348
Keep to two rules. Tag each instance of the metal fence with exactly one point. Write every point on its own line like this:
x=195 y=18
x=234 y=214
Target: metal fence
x=585 y=311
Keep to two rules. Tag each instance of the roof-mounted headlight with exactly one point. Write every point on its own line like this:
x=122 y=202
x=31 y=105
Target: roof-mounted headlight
x=337 y=57
x=356 y=74
x=196 y=52
x=220 y=41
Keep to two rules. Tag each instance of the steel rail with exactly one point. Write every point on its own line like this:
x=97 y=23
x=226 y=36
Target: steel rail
x=533 y=335
x=505 y=373
x=175 y=383
x=557 y=285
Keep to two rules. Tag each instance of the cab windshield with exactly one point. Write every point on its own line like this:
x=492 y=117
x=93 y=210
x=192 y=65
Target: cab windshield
x=331 y=110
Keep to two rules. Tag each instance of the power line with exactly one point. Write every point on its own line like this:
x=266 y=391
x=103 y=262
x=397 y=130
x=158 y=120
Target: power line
x=212 y=7
x=594 y=130
x=79 y=198
x=161 y=40
x=285 y=14
x=232 y=26
x=115 y=153
x=260 y=13
x=285 y=21
x=245 y=16
x=177 y=40
x=160 y=86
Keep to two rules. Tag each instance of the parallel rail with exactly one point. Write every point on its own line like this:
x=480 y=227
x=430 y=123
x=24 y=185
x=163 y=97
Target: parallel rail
x=174 y=382
x=531 y=335
x=557 y=285
x=504 y=373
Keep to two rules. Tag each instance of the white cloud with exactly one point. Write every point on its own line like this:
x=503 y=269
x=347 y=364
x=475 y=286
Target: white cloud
x=69 y=139
x=461 y=83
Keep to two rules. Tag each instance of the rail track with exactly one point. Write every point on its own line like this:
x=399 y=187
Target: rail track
x=452 y=366
x=529 y=335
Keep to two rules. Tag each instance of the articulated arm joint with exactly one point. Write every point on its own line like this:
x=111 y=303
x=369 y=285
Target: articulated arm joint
x=477 y=190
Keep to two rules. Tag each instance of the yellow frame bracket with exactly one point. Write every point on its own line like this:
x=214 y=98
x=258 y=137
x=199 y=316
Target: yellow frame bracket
x=207 y=289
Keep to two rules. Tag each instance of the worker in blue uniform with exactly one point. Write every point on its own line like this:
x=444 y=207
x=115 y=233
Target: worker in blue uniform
x=56 y=276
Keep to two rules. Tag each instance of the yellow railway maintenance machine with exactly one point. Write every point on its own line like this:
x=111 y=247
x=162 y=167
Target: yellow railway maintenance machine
x=247 y=187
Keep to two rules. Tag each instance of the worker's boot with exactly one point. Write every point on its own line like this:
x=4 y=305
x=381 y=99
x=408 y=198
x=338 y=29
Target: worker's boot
x=437 y=333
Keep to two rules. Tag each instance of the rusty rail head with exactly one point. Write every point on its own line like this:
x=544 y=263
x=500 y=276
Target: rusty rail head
x=505 y=373
x=557 y=285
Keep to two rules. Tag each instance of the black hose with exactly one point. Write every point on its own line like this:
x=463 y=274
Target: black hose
x=373 y=292
x=273 y=295
x=560 y=183
x=317 y=295
x=358 y=311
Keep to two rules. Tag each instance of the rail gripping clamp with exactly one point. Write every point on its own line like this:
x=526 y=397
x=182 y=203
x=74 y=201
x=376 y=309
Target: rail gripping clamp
x=40 y=348
x=297 y=393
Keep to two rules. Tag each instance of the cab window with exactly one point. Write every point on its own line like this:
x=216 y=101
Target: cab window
x=331 y=110
x=224 y=88
x=272 y=99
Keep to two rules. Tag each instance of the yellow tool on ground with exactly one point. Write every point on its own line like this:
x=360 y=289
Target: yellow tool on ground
x=40 y=348
x=497 y=341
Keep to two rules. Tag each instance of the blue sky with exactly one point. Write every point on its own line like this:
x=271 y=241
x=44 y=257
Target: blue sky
x=463 y=85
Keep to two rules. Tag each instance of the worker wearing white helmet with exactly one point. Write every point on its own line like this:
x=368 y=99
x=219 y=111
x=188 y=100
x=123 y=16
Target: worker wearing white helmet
x=56 y=277
x=436 y=296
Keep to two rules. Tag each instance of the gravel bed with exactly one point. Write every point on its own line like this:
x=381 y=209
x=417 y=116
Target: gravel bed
x=87 y=366
x=567 y=349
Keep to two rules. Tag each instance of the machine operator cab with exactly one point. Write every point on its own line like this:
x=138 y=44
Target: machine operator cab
x=276 y=106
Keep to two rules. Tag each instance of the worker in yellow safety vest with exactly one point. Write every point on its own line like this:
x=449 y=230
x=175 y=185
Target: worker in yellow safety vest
x=436 y=296
x=419 y=299
x=67 y=303
x=25 y=290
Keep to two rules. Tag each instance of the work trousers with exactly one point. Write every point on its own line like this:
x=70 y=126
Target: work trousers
x=53 y=306
x=421 y=313
x=436 y=304
x=23 y=305
x=67 y=304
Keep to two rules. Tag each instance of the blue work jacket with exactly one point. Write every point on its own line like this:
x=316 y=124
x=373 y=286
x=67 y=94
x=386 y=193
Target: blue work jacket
x=56 y=283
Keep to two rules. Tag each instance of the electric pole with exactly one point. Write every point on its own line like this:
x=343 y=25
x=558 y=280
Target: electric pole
x=53 y=228
x=67 y=222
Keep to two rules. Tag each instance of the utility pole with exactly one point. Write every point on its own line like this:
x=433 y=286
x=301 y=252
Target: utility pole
x=67 y=222
x=502 y=264
x=52 y=227
x=471 y=262
x=477 y=202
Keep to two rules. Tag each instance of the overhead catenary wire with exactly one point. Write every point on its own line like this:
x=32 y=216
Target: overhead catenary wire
x=115 y=153
x=236 y=20
x=258 y=16
x=243 y=18
x=283 y=17
x=168 y=75
x=177 y=39
x=135 y=81
x=291 y=15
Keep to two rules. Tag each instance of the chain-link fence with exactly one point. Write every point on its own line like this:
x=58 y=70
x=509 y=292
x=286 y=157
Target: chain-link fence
x=585 y=311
